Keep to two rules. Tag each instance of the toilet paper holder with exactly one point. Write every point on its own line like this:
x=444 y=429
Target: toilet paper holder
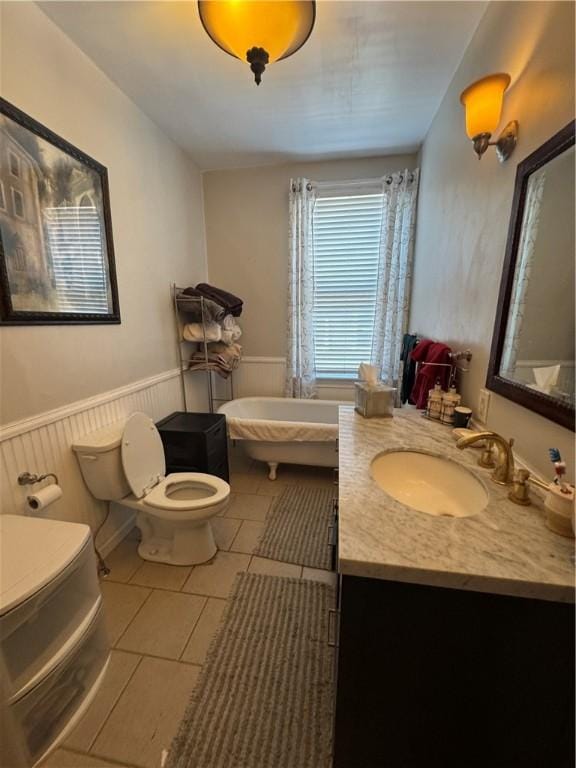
x=28 y=478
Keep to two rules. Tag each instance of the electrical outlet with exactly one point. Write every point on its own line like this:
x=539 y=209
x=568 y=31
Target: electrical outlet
x=483 y=405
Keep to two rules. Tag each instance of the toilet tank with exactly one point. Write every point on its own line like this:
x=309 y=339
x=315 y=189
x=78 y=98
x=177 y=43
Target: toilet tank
x=99 y=456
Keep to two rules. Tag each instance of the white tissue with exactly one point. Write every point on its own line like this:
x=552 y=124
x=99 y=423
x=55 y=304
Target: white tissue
x=43 y=498
x=546 y=377
x=369 y=374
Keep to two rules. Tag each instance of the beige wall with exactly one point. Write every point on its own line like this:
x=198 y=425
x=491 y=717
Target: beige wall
x=157 y=219
x=247 y=237
x=464 y=205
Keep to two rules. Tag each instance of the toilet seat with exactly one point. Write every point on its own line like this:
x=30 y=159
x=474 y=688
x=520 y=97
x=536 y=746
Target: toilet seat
x=145 y=466
x=157 y=497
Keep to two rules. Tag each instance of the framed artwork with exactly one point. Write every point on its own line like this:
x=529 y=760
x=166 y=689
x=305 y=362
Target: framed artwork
x=56 y=251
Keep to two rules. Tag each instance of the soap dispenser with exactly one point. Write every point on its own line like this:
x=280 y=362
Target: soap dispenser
x=434 y=404
x=450 y=400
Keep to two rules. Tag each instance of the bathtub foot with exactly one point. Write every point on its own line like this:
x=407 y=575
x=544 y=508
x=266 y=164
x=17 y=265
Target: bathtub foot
x=273 y=465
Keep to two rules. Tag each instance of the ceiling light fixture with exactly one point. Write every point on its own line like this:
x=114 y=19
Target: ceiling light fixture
x=261 y=31
x=483 y=105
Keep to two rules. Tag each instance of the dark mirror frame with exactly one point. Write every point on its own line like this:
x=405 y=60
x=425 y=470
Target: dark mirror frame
x=546 y=406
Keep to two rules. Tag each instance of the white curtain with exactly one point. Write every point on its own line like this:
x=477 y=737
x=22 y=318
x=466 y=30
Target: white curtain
x=522 y=272
x=300 y=368
x=394 y=272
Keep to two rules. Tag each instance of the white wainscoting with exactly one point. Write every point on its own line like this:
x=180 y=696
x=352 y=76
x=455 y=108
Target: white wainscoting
x=43 y=444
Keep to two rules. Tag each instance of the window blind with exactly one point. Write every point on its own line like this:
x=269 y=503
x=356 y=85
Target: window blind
x=78 y=260
x=346 y=241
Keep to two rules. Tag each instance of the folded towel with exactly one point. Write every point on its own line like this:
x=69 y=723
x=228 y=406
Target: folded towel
x=232 y=304
x=222 y=358
x=231 y=331
x=195 y=332
x=187 y=302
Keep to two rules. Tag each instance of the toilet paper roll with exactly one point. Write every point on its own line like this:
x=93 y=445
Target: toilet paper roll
x=44 y=497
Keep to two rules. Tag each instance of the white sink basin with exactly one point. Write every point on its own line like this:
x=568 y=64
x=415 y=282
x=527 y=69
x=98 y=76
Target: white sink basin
x=429 y=483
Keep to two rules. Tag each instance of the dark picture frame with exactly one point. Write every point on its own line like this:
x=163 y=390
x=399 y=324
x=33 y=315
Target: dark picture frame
x=57 y=264
x=551 y=408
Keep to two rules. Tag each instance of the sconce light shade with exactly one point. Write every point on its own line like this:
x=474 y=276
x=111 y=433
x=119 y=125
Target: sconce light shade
x=483 y=106
x=258 y=31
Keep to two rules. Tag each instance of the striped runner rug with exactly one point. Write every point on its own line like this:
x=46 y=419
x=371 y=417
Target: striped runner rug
x=296 y=529
x=265 y=696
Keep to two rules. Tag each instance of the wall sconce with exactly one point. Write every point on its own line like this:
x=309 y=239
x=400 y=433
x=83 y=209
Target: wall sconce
x=259 y=31
x=483 y=105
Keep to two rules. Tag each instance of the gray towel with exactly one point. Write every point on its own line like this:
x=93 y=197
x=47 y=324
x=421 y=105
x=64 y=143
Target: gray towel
x=193 y=308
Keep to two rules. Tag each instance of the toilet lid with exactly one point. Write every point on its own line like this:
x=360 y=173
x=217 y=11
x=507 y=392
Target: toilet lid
x=142 y=454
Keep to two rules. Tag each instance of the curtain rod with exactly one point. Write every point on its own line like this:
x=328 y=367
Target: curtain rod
x=363 y=182
x=371 y=182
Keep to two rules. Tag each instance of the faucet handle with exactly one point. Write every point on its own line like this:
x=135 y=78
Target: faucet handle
x=487 y=456
x=520 y=493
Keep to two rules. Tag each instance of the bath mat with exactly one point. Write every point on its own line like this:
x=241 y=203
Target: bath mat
x=296 y=529
x=265 y=696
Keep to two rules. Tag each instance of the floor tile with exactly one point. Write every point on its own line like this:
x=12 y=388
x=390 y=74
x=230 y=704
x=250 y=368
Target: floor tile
x=247 y=537
x=243 y=482
x=124 y=560
x=216 y=578
x=62 y=758
x=317 y=574
x=271 y=488
x=148 y=713
x=274 y=567
x=296 y=474
x=121 y=603
x=161 y=576
x=224 y=530
x=163 y=625
x=249 y=506
x=120 y=668
x=204 y=631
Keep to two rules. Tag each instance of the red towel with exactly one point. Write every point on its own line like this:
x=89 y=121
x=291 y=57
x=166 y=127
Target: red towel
x=429 y=352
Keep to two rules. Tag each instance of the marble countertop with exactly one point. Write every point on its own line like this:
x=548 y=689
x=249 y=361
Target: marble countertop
x=505 y=549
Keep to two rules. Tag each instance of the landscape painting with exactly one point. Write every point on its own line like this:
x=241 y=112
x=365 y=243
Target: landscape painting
x=56 y=251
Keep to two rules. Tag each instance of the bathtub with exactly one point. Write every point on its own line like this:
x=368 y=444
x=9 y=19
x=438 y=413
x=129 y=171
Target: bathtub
x=279 y=430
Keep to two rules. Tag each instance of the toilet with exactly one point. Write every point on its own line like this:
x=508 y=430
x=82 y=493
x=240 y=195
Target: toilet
x=125 y=463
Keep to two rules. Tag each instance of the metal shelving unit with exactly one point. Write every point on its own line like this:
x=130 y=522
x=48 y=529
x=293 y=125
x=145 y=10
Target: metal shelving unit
x=184 y=358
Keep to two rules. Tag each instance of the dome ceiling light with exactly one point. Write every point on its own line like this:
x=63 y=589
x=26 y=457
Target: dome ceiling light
x=259 y=31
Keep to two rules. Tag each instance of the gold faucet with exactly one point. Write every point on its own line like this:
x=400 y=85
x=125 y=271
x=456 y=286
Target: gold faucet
x=504 y=466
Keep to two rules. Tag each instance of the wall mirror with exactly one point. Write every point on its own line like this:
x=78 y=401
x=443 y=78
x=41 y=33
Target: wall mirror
x=532 y=358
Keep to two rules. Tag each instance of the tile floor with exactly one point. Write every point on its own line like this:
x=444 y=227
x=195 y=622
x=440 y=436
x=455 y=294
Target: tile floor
x=161 y=620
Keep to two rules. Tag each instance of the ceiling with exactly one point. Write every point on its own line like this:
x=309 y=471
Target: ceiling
x=368 y=81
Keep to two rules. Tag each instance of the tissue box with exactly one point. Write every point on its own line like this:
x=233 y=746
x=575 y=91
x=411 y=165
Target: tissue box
x=374 y=401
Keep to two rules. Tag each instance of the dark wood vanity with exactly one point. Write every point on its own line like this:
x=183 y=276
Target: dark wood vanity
x=455 y=635
x=441 y=678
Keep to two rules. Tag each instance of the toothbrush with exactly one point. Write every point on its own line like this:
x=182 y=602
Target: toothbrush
x=559 y=469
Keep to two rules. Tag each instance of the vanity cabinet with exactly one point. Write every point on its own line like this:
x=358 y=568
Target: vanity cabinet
x=434 y=677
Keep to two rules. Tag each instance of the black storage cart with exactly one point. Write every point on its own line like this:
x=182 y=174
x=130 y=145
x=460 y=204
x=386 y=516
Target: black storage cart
x=195 y=442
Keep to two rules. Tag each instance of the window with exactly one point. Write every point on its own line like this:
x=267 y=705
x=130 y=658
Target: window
x=14 y=164
x=346 y=239
x=78 y=258
x=19 y=258
x=18 y=203
x=2 y=197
